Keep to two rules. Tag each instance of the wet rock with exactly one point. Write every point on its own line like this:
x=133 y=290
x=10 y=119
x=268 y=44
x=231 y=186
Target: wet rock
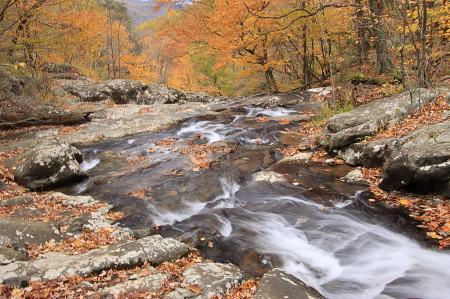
x=213 y=278
x=420 y=161
x=268 y=176
x=124 y=254
x=140 y=233
x=28 y=213
x=17 y=232
x=278 y=284
x=49 y=164
x=9 y=255
x=353 y=176
x=179 y=293
x=150 y=283
x=297 y=159
x=121 y=91
x=346 y=128
x=18 y=200
x=370 y=154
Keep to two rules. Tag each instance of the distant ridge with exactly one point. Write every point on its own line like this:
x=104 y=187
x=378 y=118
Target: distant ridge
x=141 y=11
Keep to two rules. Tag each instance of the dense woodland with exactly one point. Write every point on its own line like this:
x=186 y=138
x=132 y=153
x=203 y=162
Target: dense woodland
x=234 y=48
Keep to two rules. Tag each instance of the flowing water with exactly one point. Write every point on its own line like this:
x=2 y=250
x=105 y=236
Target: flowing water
x=324 y=231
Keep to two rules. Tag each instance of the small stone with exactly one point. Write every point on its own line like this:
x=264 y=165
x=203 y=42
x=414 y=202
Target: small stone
x=353 y=176
x=18 y=200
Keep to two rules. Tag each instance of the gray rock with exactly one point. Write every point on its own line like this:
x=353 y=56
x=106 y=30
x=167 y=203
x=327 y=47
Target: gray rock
x=297 y=159
x=3 y=187
x=353 y=176
x=204 y=97
x=278 y=284
x=213 y=278
x=28 y=212
x=9 y=255
x=86 y=221
x=180 y=293
x=122 y=233
x=121 y=91
x=140 y=233
x=124 y=254
x=150 y=283
x=18 y=200
x=17 y=231
x=268 y=176
x=157 y=250
x=419 y=161
x=72 y=201
x=161 y=94
x=49 y=164
x=346 y=128
x=370 y=154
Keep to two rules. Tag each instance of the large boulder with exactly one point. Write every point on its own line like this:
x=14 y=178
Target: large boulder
x=48 y=164
x=368 y=154
x=213 y=278
x=124 y=254
x=161 y=94
x=346 y=128
x=419 y=161
x=277 y=284
x=18 y=232
x=121 y=91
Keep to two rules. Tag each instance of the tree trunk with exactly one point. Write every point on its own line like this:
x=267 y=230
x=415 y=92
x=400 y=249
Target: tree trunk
x=24 y=120
x=384 y=63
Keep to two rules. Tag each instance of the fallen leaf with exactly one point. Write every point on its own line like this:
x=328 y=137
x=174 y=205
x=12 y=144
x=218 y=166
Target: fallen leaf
x=371 y=199
x=194 y=288
x=145 y=272
x=405 y=202
x=433 y=235
x=211 y=244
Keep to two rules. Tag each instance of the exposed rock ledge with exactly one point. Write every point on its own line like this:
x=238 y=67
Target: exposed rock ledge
x=211 y=278
x=417 y=162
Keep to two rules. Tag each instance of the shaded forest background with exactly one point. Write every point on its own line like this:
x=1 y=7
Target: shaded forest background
x=233 y=48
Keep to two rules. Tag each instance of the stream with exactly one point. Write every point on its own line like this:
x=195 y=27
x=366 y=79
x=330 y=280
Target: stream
x=324 y=231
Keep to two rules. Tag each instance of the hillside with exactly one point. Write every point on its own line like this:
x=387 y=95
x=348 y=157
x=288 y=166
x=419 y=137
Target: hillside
x=142 y=11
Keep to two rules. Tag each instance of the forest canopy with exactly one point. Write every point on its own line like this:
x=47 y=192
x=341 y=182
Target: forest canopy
x=236 y=47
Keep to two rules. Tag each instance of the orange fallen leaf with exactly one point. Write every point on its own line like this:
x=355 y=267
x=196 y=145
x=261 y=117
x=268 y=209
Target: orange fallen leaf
x=194 y=288
x=433 y=235
x=145 y=272
x=211 y=244
x=405 y=202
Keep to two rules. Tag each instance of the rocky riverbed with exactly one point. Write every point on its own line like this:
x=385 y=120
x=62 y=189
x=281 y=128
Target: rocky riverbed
x=104 y=257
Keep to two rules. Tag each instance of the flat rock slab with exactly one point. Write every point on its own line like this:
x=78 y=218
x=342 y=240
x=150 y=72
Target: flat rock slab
x=17 y=232
x=213 y=278
x=124 y=254
x=9 y=255
x=18 y=200
x=151 y=283
x=278 y=284
x=346 y=128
